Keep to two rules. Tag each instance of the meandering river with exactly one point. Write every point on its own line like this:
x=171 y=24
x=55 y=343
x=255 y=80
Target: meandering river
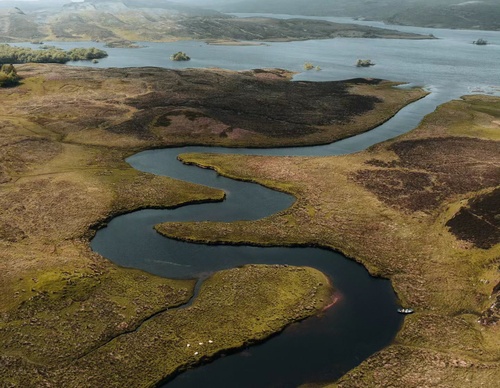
x=364 y=319
x=321 y=348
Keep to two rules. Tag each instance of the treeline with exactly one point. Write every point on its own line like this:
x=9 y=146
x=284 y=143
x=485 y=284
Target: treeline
x=48 y=54
x=8 y=76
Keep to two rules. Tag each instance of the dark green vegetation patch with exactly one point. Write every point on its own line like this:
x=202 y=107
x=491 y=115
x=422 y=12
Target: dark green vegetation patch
x=479 y=221
x=270 y=107
x=48 y=54
x=180 y=56
x=428 y=171
x=8 y=76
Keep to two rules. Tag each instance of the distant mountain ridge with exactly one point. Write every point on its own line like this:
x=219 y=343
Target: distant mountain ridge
x=111 y=6
x=426 y=13
x=467 y=15
x=120 y=22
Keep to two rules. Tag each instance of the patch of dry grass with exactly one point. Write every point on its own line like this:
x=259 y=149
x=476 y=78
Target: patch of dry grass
x=234 y=308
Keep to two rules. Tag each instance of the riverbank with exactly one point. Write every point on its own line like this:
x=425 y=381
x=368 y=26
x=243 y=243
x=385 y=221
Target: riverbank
x=391 y=208
x=65 y=134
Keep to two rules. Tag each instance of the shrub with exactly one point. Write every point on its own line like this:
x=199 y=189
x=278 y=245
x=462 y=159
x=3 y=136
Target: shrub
x=364 y=63
x=480 y=42
x=8 y=76
x=308 y=66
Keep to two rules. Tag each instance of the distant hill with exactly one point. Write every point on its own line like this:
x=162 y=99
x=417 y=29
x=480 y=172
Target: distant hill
x=16 y=25
x=120 y=22
x=426 y=13
x=114 y=6
x=313 y=7
x=33 y=5
x=467 y=15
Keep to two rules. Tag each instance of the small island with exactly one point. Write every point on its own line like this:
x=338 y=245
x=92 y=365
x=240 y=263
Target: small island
x=310 y=66
x=364 y=63
x=180 y=56
x=121 y=43
x=480 y=42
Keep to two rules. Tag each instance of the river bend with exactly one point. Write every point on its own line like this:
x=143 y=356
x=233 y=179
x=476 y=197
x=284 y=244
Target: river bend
x=364 y=319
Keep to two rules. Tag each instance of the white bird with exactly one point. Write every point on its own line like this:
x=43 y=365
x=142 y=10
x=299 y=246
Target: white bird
x=210 y=341
x=188 y=345
x=195 y=353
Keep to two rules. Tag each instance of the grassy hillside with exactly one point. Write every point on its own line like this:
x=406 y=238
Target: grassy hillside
x=120 y=22
x=429 y=13
x=482 y=16
x=68 y=316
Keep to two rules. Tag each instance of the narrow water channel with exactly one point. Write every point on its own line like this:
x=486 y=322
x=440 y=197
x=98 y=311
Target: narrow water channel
x=364 y=320
x=321 y=348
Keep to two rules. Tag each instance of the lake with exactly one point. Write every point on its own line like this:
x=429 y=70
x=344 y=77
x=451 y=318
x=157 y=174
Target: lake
x=450 y=65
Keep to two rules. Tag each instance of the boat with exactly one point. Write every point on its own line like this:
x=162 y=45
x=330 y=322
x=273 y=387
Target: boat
x=405 y=311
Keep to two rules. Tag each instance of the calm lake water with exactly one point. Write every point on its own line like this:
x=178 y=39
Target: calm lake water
x=364 y=320
x=450 y=65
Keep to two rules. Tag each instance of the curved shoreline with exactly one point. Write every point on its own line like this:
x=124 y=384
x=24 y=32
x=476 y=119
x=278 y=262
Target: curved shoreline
x=250 y=342
x=440 y=309
x=93 y=229
x=326 y=249
x=373 y=272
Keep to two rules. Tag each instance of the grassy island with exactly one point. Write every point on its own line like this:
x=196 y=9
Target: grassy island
x=47 y=54
x=480 y=42
x=364 y=63
x=180 y=56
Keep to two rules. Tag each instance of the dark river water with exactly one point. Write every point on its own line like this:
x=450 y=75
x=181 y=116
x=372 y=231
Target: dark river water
x=320 y=348
x=364 y=319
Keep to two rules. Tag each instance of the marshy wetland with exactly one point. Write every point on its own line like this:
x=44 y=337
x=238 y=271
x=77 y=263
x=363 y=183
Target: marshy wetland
x=388 y=207
x=64 y=176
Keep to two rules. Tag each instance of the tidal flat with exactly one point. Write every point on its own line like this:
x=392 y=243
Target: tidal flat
x=65 y=135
